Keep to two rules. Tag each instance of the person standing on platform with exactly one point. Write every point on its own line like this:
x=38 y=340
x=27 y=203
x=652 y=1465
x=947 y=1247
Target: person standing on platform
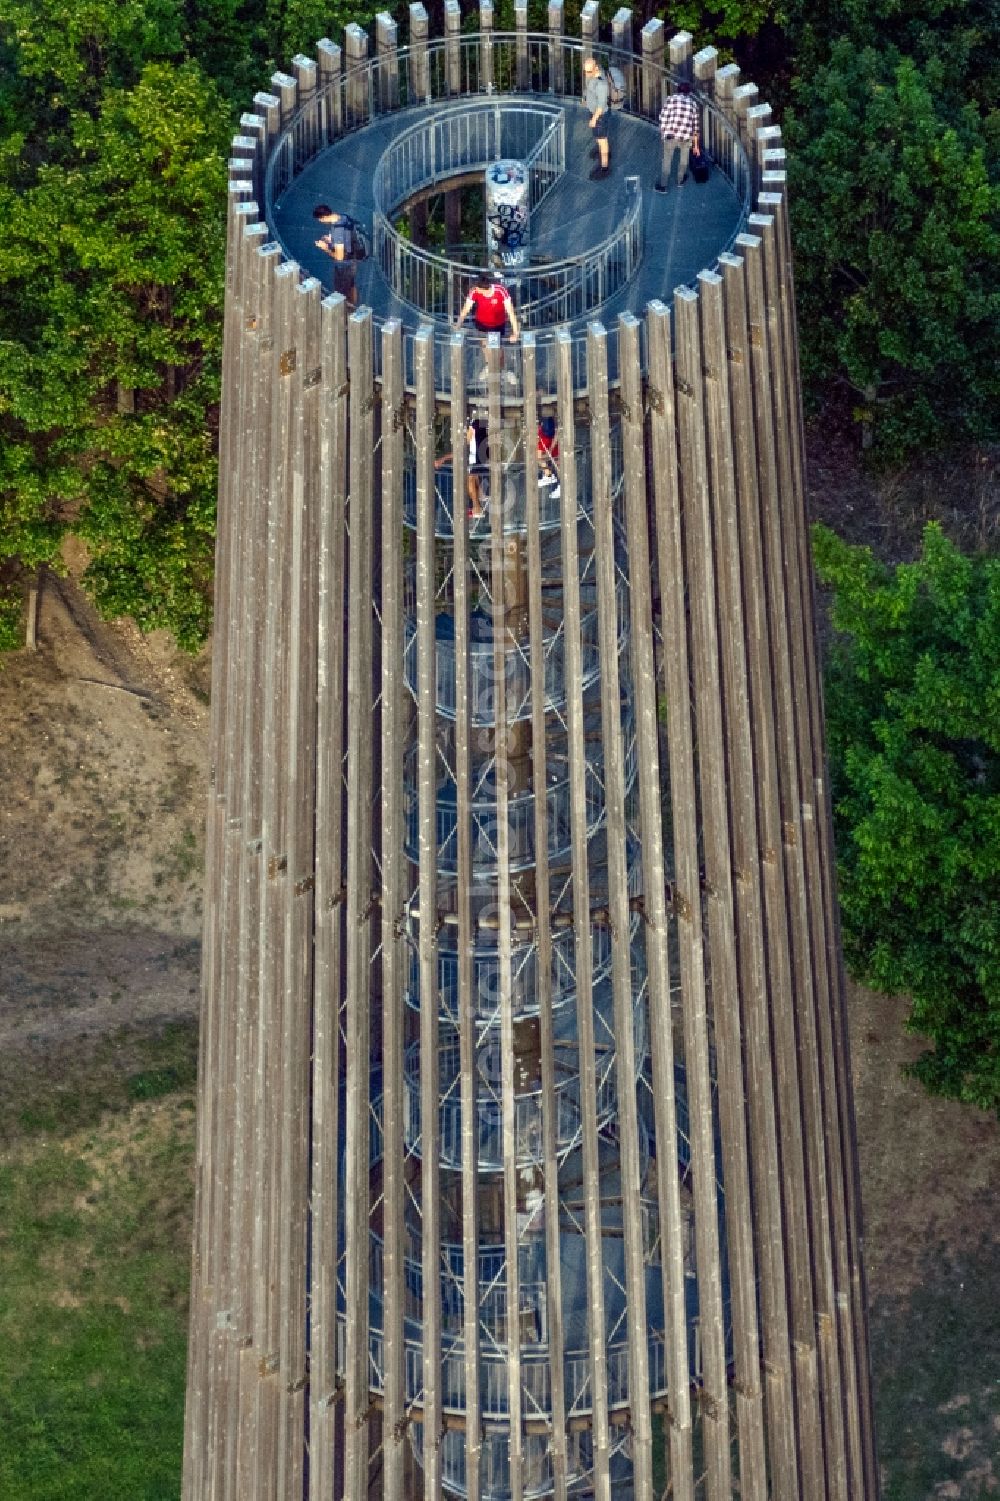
x=679 y=133
x=345 y=247
x=597 y=98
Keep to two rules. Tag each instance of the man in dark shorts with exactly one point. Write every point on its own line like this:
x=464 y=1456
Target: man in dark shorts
x=345 y=247
x=597 y=98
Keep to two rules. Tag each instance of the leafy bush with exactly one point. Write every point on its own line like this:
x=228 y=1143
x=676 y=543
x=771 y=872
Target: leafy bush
x=913 y=702
x=897 y=247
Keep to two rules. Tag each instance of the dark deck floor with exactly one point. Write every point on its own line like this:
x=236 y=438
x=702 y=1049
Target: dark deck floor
x=685 y=229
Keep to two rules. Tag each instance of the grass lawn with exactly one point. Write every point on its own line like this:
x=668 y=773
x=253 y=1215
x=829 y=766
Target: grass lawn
x=96 y=1151
x=95 y=1213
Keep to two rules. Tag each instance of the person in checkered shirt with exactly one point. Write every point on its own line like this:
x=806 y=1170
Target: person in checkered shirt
x=679 y=122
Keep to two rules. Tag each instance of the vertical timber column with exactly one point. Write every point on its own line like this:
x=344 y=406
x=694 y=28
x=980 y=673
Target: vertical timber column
x=466 y=940
x=419 y=62
x=328 y=957
x=453 y=48
x=772 y=455
x=621 y=47
x=393 y=903
x=699 y=575
x=523 y=64
x=703 y=66
x=680 y=757
x=502 y=740
x=626 y=1073
x=356 y=55
x=813 y=1012
x=590 y=25
x=358 y=902
x=678 y=1427
x=256 y=437
x=430 y=1133
x=726 y=79
x=713 y=140
x=303 y=461
x=543 y=918
x=386 y=48
x=280 y=363
x=582 y=919
x=652 y=69
x=751 y=630
x=330 y=85
x=671 y=488
x=679 y=50
x=732 y=870
x=486 y=47
x=308 y=140
x=557 y=71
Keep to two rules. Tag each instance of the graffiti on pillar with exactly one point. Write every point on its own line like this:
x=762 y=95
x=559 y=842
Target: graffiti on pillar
x=507 y=218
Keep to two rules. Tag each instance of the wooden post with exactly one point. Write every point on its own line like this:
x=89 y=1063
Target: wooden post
x=393 y=902
x=698 y=560
x=430 y=1134
x=704 y=65
x=680 y=49
x=557 y=71
x=357 y=77
x=771 y=440
x=735 y=913
x=467 y=1026
x=297 y=1029
x=358 y=892
x=652 y=37
x=453 y=45
x=486 y=47
x=453 y=217
x=521 y=45
x=582 y=922
x=386 y=47
x=419 y=77
x=330 y=87
x=536 y=638
x=626 y=1071
x=590 y=25
x=621 y=53
x=308 y=140
x=763 y=1116
x=328 y=942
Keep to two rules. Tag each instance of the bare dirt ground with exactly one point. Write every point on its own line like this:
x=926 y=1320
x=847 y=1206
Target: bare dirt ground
x=103 y=756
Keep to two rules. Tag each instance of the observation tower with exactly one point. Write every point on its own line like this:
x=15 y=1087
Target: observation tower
x=526 y=1159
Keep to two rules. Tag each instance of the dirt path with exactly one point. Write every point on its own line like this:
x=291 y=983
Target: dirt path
x=103 y=749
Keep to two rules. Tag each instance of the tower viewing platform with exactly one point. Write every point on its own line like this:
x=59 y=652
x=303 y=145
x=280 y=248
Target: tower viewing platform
x=525 y=1158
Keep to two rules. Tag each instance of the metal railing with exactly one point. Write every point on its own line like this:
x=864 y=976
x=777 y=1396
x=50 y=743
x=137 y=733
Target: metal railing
x=466 y=138
x=490 y=64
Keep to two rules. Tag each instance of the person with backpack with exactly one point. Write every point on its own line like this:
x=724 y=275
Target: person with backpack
x=679 y=132
x=344 y=244
x=596 y=96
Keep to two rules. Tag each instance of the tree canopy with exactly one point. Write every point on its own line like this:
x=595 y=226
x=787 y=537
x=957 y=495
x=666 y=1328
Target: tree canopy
x=913 y=703
x=115 y=118
x=897 y=246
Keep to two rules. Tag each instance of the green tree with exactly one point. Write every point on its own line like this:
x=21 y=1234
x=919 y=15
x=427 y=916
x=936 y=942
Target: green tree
x=897 y=249
x=913 y=704
x=112 y=196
